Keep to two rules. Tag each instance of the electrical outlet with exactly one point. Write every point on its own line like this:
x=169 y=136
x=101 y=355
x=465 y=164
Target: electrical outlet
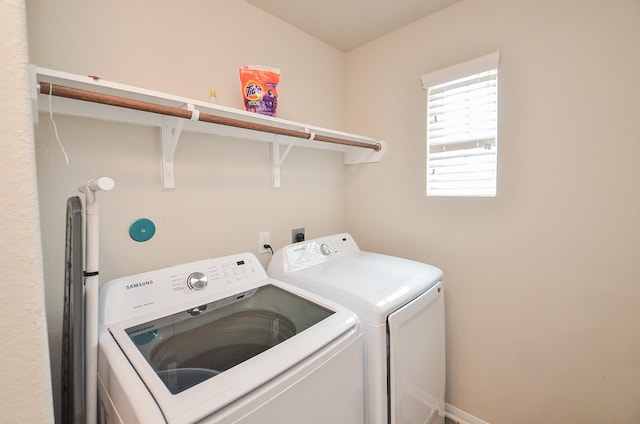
x=264 y=238
x=297 y=235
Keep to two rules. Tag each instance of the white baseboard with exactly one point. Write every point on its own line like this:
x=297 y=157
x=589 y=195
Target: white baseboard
x=461 y=417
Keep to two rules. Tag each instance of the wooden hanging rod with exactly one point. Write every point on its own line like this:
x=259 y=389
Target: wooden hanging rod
x=107 y=99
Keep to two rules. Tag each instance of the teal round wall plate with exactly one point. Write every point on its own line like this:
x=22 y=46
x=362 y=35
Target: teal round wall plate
x=142 y=229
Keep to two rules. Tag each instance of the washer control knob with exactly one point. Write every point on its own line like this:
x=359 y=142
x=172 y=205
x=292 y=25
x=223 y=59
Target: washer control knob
x=197 y=281
x=325 y=249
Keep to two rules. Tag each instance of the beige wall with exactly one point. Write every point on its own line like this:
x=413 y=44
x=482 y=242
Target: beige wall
x=223 y=195
x=24 y=368
x=543 y=283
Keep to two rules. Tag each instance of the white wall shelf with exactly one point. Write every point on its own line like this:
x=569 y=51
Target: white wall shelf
x=46 y=79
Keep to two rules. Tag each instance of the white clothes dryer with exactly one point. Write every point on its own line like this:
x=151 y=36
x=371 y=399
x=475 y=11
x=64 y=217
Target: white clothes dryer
x=217 y=341
x=401 y=306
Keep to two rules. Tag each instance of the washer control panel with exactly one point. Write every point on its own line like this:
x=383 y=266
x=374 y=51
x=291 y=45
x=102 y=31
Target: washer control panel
x=130 y=296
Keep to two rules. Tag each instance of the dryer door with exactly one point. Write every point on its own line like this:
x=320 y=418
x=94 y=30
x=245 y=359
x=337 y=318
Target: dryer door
x=417 y=359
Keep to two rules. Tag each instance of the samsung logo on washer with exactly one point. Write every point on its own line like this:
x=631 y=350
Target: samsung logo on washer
x=139 y=284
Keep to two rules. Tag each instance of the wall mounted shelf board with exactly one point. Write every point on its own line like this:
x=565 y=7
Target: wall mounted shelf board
x=95 y=98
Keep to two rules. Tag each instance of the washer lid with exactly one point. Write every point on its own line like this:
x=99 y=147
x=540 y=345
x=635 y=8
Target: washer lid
x=198 y=359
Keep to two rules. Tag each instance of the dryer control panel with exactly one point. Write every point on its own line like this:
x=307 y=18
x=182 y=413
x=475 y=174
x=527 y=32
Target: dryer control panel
x=138 y=294
x=313 y=252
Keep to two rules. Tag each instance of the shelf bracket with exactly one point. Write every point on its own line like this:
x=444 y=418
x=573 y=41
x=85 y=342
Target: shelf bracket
x=171 y=129
x=278 y=159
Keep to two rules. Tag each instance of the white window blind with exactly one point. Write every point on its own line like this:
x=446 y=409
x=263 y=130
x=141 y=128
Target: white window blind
x=462 y=117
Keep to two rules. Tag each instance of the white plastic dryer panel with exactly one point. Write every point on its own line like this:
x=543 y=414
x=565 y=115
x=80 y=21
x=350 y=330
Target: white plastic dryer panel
x=417 y=359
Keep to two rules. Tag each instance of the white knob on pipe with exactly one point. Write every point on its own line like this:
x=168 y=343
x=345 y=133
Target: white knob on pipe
x=98 y=184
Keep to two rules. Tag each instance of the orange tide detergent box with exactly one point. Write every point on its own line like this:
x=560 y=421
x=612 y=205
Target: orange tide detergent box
x=259 y=92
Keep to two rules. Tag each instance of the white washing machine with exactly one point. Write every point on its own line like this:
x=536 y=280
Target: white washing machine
x=401 y=307
x=217 y=341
